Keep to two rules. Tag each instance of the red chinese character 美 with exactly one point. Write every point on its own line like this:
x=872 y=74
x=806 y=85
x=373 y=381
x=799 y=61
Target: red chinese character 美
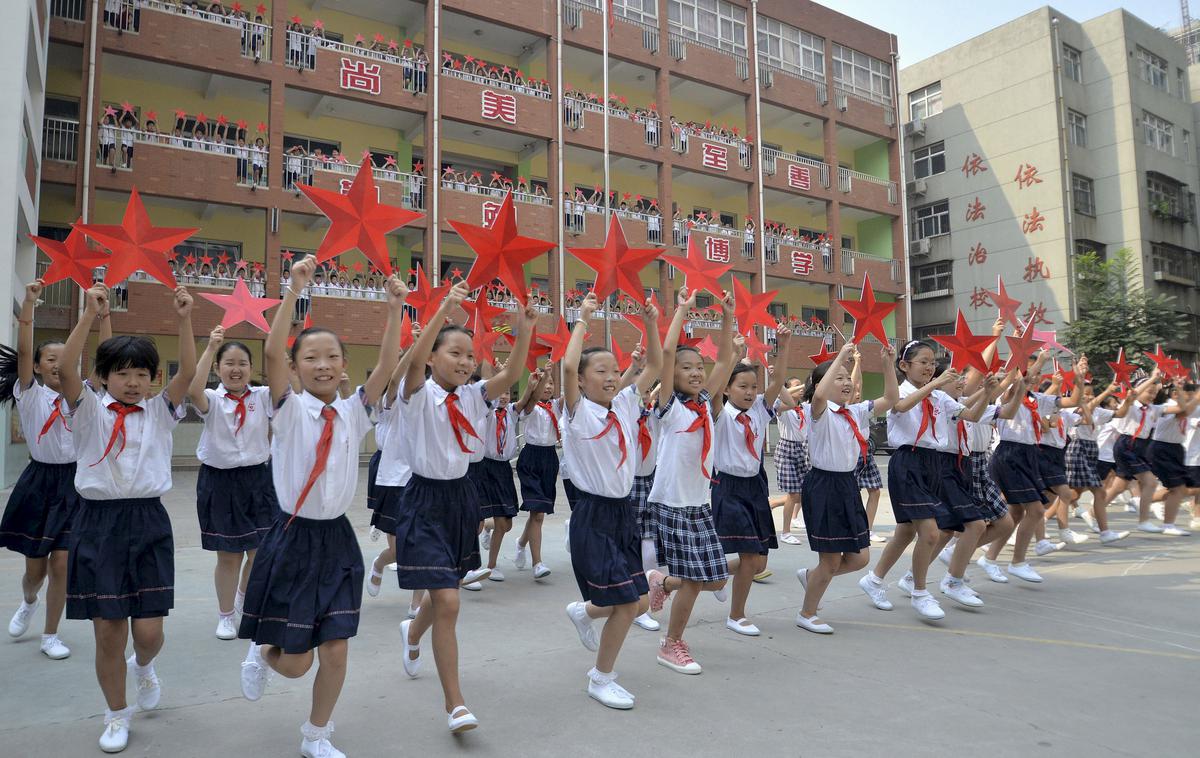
x=1026 y=176
x=498 y=106
x=490 y=210
x=1037 y=314
x=1036 y=268
x=361 y=76
x=715 y=156
x=975 y=210
x=980 y=298
x=973 y=165
x=1033 y=222
x=802 y=263
x=716 y=249
x=978 y=255
x=799 y=177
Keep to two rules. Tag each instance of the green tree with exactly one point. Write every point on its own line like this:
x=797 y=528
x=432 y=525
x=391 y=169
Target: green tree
x=1116 y=311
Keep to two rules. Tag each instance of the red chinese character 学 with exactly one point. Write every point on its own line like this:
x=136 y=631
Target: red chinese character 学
x=1036 y=268
x=973 y=165
x=498 y=106
x=490 y=210
x=361 y=76
x=980 y=298
x=345 y=184
x=716 y=249
x=975 y=210
x=799 y=177
x=1026 y=176
x=978 y=255
x=1037 y=314
x=715 y=156
x=1033 y=222
x=802 y=263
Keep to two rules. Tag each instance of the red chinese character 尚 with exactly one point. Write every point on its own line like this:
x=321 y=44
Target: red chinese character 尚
x=980 y=298
x=799 y=177
x=716 y=249
x=498 y=106
x=490 y=211
x=1026 y=176
x=978 y=255
x=361 y=76
x=1033 y=222
x=802 y=263
x=975 y=210
x=973 y=164
x=1036 y=268
x=1036 y=312
x=715 y=156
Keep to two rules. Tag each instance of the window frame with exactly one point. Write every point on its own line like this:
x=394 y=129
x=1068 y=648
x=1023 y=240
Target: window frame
x=863 y=70
x=937 y=220
x=1077 y=125
x=924 y=97
x=1072 y=63
x=1083 y=186
x=723 y=35
x=776 y=38
x=1158 y=133
x=930 y=156
x=933 y=277
x=1154 y=69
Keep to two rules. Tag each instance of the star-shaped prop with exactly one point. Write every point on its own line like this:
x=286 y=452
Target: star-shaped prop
x=536 y=351
x=701 y=274
x=1122 y=370
x=822 y=356
x=756 y=349
x=72 y=258
x=480 y=316
x=242 y=306
x=556 y=340
x=868 y=313
x=708 y=349
x=1161 y=359
x=358 y=220
x=1051 y=341
x=501 y=253
x=966 y=348
x=638 y=321
x=1008 y=306
x=751 y=309
x=425 y=298
x=624 y=359
x=136 y=244
x=617 y=265
x=406 y=331
x=1021 y=348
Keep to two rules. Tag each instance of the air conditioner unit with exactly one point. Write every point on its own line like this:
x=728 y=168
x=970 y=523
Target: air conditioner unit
x=917 y=188
x=920 y=249
x=841 y=100
x=914 y=128
x=768 y=78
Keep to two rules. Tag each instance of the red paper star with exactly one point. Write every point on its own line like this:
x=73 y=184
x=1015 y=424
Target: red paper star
x=638 y=320
x=822 y=356
x=536 y=351
x=1051 y=340
x=151 y=116
x=201 y=118
x=406 y=333
x=967 y=348
x=1161 y=359
x=260 y=9
x=624 y=359
x=556 y=340
x=481 y=314
x=287 y=255
x=708 y=349
x=358 y=220
x=222 y=120
x=241 y=264
x=868 y=313
x=1122 y=370
x=223 y=258
x=180 y=114
x=501 y=253
x=617 y=265
x=751 y=309
x=189 y=260
x=425 y=298
x=756 y=349
x=136 y=244
x=206 y=260
x=242 y=306
x=456 y=273
x=262 y=126
x=1008 y=306
x=1022 y=348
x=71 y=259
x=700 y=273
x=126 y=107
x=110 y=111
x=241 y=124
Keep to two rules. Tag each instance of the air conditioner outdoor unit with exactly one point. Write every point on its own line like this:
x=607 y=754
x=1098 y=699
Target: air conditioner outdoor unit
x=841 y=100
x=920 y=249
x=768 y=78
x=914 y=128
x=917 y=188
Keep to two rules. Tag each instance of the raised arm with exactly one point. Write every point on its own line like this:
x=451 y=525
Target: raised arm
x=203 y=368
x=423 y=347
x=275 y=358
x=914 y=399
x=177 y=388
x=683 y=301
x=637 y=361
x=533 y=389
x=825 y=388
x=506 y=377
x=726 y=354
x=782 y=340
x=974 y=376
x=891 y=386
x=68 y=367
x=389 y=348
x=33 y=291
x=1014 y=395
x=856 y=371
x=653 y=365
x=1076 y=396
x=574 y=350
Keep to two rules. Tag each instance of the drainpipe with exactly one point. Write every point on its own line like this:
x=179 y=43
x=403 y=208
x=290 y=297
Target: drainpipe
x=605 y=20
x=1063 y=144
x=90 y=129
x=758 y=141
x=900 y=190
x=433 y=76
x=562 y=238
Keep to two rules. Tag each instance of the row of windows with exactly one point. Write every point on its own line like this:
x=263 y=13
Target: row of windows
x=939 y=277
x=791 y=49
x=861 y=74
x=713 y=22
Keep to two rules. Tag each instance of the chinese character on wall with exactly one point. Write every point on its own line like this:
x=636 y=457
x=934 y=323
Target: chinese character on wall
x=802 y=262
x=490 y=211
x=715 y=156
x=361 y=76
x=980 y=298
x=1026 y=176
x=344 y=186
x=1033 y=221
x=975 y=210
x=1036 y=268
x=799 y=177
x=973 y=165
x=978 y=255
x=498 y=106
x=716 y=249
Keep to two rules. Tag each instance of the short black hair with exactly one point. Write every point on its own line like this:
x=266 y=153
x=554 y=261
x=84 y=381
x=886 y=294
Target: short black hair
x=449 y=329
x=37 y=351
x=586 y=356
x=741 y=368
x=227 y=346
x=1190 y=386
x=312 y=330
x=690 y=348
x=810 y=384
x=126 y=351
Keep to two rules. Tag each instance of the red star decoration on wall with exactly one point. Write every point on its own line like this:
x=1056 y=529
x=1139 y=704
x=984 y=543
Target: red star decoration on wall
x=700 y=273
x=556 y=340
x=751 y=309
x=425 y=298
x=242 y=306
x=137 y=244
x=501 y=253
x=822 y=356
x=617 y=265
x=868 y=313
x=1022 y=348
x=71 y=259
x=1007 y=306
x=967 y=348
x=358 y=220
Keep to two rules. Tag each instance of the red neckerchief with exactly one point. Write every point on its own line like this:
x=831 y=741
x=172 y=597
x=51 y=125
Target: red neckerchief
x=700 y=424
x=858 y=436
x=962 y=440
x=614 y=423
x=54 y=416
x=1141 y=423
x=549 y=408
x=324 y=445
x=645 y=440
x=118 y=429
x=748 y=434
x=928 y=420
x=501 y=429
x=799 y=411
x=240 y=411
x=459 y=422
x=1032 y=404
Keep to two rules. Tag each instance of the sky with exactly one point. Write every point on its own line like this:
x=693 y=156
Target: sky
x=931 y=26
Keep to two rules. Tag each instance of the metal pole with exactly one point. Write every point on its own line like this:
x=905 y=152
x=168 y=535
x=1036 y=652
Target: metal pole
x=433 y=172
x=605 y=19
x=562 y=240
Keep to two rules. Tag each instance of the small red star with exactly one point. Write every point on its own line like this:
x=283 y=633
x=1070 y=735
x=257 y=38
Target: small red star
x=1008 y=306
x=137 y=244
x=624 y=359
x=756 y=349
x=1022 y=348
x=1122 y=370
x=868 y=313
x=556 y=340
x=456 y=273
x=71 y=259
x=700 y=273
x=967 y=348
x=501 y=252
x=262 y=126
x=751 y=309
x=824 y=355
x=617 y=265
x=1161 y=359
x=536 y=351
x=223 y=258
x=241 y=124
x=425 y=298
x=242 y=306
x=708 y=349
x=406 y=333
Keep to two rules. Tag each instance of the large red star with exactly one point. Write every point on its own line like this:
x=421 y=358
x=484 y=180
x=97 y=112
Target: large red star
x=242 y=306
x=480 y=315
x=822 y=356
x=406 y=332
x=136 y=244
x=700 y=273
x=358 y=220
x=1161 y=359
x=72 y=258
x=868 y=313
x=536 y=351
x=501 y=253
x=425 y=298
x=1008 y=306
x=1122 y=370
x=751 y=309
x=756 y=349
x=1021 y=348
x=967 y=348
x=638 y=321
x=1175 y=369
x=617 y=265
x=624 y=359
x=556 y=340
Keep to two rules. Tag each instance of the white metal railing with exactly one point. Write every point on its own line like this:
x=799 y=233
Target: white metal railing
x=770 y=155
x=695 y=40
x=257 y=287
x=346 y=292
x=676 y=46
x=488 y=81
x=847 y=262
x=510 y=304
x=71 y=10
x=302 y=54
x=300 y=170
x=816 y=77
x=60 y=139
x=649 y=31
x=250 y=162
x=847 y=177
x=500 y=192
x=57 y=295
x=256 y=37
x=848 y=88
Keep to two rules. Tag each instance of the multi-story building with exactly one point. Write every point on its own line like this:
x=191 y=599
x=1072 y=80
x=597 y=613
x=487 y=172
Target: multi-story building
x=722 y=113
x=1037 y=140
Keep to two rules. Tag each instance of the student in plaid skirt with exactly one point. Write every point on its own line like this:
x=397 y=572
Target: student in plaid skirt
x=791 y=454
x=1083 y=454
x=687 y=539
x=1052 y=459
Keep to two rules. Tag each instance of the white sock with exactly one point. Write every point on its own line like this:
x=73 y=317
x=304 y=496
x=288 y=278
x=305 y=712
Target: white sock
x=124 y=713
x=313 y=733
x=28 y=606
x=920 y=593
x=599 y=677
x=239 y=601
x=141 y=670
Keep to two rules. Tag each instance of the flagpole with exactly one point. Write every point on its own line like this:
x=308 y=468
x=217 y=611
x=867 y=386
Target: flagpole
x=605 y=9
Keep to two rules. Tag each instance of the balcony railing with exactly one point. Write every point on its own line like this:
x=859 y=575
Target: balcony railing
x=681 y=229
x=679 y=40
x=302 y=54
x=60 y=139
x=346 y=292
x=494 y=83
x=847 y=177
x=816 y=77
x=575 y=112
x=497 y=192
x=299 y=170
x=57 y=295
x=649 y=31
x=71 y=10
x=848 y=88
x=256 y=37
x=770 y=155
x=250 y=162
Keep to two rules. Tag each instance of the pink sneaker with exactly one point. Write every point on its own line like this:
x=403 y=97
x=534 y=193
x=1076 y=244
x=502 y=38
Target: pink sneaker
x=658 y=593
x=674 y=654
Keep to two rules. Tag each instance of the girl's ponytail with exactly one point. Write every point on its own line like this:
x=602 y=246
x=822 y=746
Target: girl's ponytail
x=8 y=374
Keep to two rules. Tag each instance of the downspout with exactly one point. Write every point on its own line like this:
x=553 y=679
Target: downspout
x=89 y=132
x=1068 y=194
x=606 y=19
x=901 y=193
x=433 y=74
x=562 y=238
x=760 y=240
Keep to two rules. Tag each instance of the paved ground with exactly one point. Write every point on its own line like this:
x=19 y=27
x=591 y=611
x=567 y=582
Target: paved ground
x=1102 y=659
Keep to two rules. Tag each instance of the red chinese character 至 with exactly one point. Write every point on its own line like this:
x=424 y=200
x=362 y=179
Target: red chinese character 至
x=975 y=210
x=978 y=255
x=1037 y=314
x=1026 y=176
x=361 y=76
x=716 y=249
x=715 y=156
x=1033 y=222
x=973 y=165
x=490 y=210
x=980 y=298
x=1036 y=268
x=802 y=263
x=799 y=177
x=498 y=106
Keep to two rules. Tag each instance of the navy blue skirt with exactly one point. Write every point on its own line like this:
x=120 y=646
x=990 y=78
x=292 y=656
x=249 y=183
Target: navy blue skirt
x=372 y=475
x=1104 y=468
x=497 y=491
x=834 y=516
x=1131 y=456
x=387 y=507
x=1052 y=465
x=40 y=509
x=537 y=468
x=1166 y=461
x=922 y=484
x=121 y=562
x=236 y=506
x=1193 y=476
x=1015 y=469
x=741 y=511
x=437 y=533
x=958 y=491
x=606 y=550
x=306 y=585
x=572 y=492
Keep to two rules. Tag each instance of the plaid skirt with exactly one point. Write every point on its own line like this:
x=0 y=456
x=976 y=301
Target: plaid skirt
x=639 y=498
x=687 y=543
x=1082 y=456
x=792 y=462
x=984 y=490
x=867 y=471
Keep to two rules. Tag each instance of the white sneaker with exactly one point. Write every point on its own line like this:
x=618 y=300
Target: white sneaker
x=647 y=622
x=412 y=612
x=604 y=689
x=1045 y=547
x=945 y=554
x=1194 y=523
x=519 y=557
x=877 y=539
x=1133 y=505
x=927 y=607
x=374 y=534
x=959 y=592
x=721 y=595
x=905 y=584
x=496 y=576
x=541 y=571
x=149 y=690
x=1158 y=510
x=20 y=620
x=477 y=575
x=485 y=540
x=255 y=674
x=742 y=626
x=373 y=588
x=321 y=748
x=225 y=628
x=567 y=535
x=797 y=524
x=1108 y=536
x=992 y=570
x=877 y=592
x=1071 y=537
x=1024 y=571
x=577 y=612
x=411 y=666
x=802 y=575
x=472 y=587
x=461 y=720
x=1149 y=526
x=1090 y=520
x=1173 y=531
x=53 y=648
x=116 y=731
x=812 y=625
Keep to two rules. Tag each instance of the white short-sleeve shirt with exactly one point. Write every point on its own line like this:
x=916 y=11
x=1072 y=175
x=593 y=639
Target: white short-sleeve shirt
x=393 y=470
x=731 y=455
x=679 y=480
x=222 y=445
x=793 y=422
x=832 y=444
x=540 y=428
x=431 y=447
x=980 y=433
x=1170 y=427
x=1060 y=428
x=940 y=427
x=1106 y=438
x=1191 y=449
x=143 y=468
x=501 y=445
x=35 y=405
x=1140 y=420
x=1100 y=417
x=1020 y=428
x=596 y=465
x=648 y=458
